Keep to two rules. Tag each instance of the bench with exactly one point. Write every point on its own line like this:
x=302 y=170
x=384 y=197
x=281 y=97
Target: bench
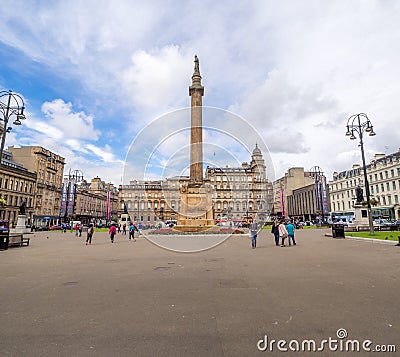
x=25 y=241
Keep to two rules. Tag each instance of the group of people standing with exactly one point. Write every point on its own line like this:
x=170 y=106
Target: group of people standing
x=282 y=230
x=132 y=229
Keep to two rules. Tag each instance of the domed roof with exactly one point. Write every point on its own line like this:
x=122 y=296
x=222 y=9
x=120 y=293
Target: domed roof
x=257 y=151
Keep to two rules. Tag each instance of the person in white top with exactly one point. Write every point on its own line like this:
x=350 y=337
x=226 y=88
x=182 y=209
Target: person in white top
x=283 y=233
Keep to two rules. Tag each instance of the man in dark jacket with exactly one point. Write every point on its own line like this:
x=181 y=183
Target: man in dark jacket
x=275 y=231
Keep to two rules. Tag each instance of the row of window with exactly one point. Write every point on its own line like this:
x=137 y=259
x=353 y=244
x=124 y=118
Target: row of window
x=385 y=174
x=372 y=178
x=16 y=200
x=384 y=201
x=20 y=186
x=374 y=189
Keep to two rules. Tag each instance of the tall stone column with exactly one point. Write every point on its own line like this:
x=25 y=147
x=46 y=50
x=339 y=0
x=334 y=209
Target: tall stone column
x=196 y=91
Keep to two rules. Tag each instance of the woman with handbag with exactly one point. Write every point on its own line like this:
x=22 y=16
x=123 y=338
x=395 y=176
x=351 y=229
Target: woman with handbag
x=283 y=233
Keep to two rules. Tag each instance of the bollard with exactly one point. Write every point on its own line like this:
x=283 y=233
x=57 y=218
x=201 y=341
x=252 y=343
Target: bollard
x=398 y=244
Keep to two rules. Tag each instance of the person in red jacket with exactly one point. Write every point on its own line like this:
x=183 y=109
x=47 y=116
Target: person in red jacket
x=112 y=232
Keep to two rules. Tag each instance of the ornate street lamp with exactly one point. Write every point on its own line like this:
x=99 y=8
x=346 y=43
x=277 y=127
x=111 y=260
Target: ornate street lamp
x=13 y=105
x=358 y=124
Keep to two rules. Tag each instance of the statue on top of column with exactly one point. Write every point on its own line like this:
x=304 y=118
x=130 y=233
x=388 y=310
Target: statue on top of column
x=196 y=64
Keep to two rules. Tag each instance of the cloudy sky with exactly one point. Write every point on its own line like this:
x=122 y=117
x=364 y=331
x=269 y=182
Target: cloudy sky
x=97 y=76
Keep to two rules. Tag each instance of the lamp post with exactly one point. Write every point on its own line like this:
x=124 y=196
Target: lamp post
x=13 y=105
x=318 y=174
x=359 y=123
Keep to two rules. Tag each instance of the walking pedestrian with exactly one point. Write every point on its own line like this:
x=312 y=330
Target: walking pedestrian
x=283 y=233
x=112 y=232
x=80 y=227
x=290 y=230
x=275 y=231
x=253 y=232
x=76 y=229
x=132 y=229
x=90 y=232
x=119 y=228
x=124 y=229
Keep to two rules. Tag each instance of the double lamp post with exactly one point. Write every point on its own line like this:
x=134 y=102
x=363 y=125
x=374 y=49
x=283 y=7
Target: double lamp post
x=11 y=104
x=358 y=124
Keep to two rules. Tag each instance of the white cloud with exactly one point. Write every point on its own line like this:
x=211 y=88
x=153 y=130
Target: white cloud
x=76 y=125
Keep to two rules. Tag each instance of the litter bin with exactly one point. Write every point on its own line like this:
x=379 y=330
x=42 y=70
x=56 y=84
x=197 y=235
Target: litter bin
x=4 y=235
x=338 y=231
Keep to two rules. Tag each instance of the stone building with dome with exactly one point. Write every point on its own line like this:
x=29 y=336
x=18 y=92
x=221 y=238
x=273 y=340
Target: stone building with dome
x=241 y=192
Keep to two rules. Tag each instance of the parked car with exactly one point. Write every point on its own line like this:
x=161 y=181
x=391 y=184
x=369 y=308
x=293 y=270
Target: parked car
x=396 y=224
x=54 y=227
x=381 y=222
x=41 y=228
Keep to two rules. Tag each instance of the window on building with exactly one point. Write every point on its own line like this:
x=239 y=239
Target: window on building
x=386 y=174
x=382 y=188
x=11 y=184
x=377 y=188
x=392 y=173
x=370 y=178
x=372 y=189
x=396 y=199
x=388 y=186
x=384 y=200
x=381 y=175
x=389 y=197
x=376 y=177
x=394 y=185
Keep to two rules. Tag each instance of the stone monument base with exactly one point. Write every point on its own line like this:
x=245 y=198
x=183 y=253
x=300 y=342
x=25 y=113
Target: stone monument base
x=21 y=225
x=196 y=214
x=360 y=216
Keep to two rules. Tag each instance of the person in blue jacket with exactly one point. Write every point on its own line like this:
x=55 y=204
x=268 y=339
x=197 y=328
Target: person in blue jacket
x=290 y=230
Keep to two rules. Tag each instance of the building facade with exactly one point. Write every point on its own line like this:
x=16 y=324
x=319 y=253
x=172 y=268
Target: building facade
x=242 y=192
x=149 y=202
x=383 y=174
x=301 y=194
x=89 y=202
x=49 y=169
x=17 y=184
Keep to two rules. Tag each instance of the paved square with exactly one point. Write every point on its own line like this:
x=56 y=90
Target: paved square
x=62 y=298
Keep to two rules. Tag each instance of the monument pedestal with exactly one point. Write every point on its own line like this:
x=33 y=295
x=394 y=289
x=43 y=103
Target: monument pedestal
x=196 y=213
x=360 y=216
x=21 y=225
